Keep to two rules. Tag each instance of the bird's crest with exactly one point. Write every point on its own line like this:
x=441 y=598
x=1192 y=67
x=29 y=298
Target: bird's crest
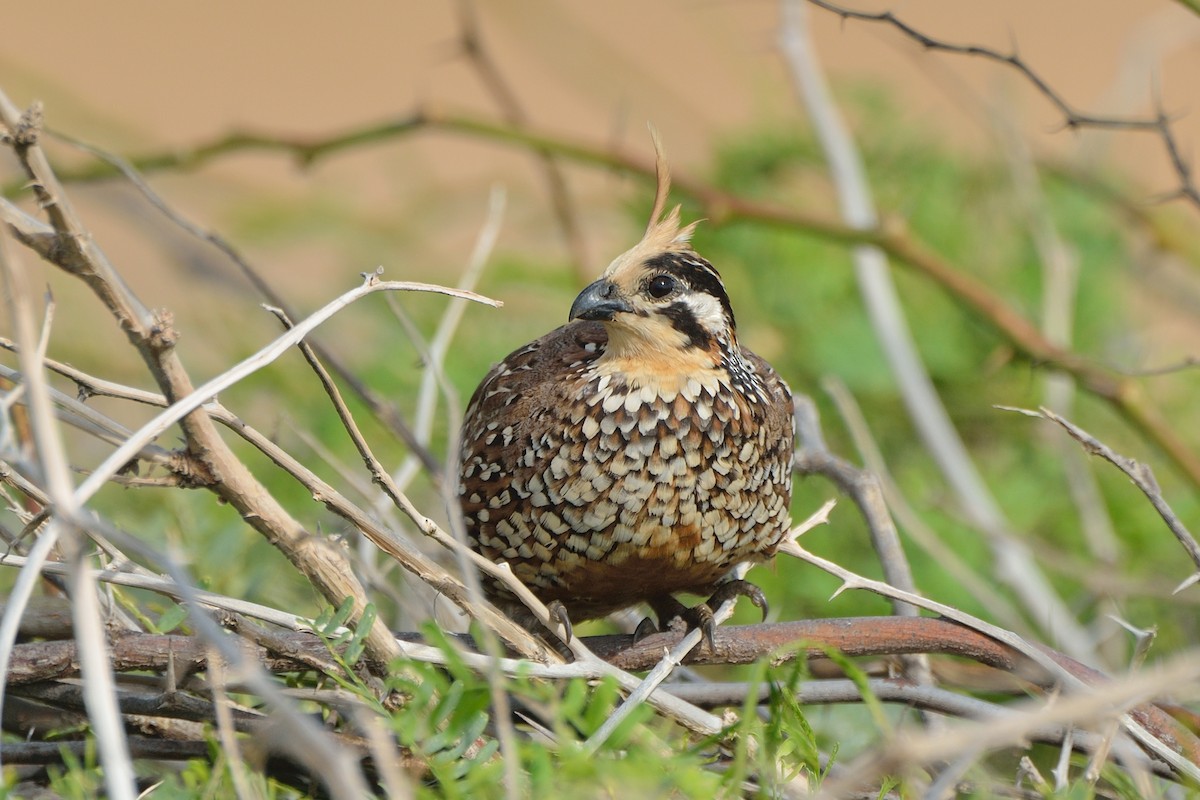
x=663 y=233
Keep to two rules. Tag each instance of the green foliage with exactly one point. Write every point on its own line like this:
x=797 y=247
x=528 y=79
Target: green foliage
x=445 y=721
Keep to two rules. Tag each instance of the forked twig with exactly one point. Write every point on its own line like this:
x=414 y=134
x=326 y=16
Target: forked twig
x=1140 y=474
x=1160 y=124
x=1069 y=680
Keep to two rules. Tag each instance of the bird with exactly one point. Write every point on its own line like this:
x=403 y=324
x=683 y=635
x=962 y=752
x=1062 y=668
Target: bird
x=635 y=453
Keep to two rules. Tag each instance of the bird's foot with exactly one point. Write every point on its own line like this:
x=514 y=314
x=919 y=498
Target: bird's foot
x=701 y=616
x=732 y=590
x=668 y=611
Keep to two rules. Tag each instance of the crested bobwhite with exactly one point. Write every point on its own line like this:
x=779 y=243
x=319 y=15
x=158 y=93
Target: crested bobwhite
x=637 y=451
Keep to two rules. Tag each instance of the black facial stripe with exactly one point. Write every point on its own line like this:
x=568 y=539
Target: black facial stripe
x=694 y=271
x=684 y=321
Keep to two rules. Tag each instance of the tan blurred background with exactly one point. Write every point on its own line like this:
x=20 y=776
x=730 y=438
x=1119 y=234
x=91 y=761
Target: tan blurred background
x=139 y=76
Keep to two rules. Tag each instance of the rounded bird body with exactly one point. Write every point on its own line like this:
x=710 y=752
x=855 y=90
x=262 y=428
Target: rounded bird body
x=634 y=453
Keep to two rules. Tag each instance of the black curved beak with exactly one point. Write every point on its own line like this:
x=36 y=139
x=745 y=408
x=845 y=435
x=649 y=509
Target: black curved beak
x=599 y=301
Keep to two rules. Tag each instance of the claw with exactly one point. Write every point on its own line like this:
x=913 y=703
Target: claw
x=701 y=616
x=645 y=628
x=558 y=613
x=667 y=608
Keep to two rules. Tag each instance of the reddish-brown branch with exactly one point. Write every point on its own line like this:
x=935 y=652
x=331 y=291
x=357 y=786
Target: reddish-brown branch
x=855 y=637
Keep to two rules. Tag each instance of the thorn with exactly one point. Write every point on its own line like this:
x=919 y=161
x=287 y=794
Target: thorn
x=1191 y=580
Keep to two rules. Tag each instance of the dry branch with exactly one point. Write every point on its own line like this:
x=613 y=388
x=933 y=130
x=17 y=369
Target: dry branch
x=288 y=652
x=46 y=672
x=1138 y=473
x=70 y=246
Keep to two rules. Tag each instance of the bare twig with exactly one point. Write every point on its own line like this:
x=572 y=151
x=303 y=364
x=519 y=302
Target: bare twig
x=563 y=205
x=247 y=366
x=224 y=725
x=1060 y=279
x=893 y=690
x=169 y=588
x=850 y=580
x=68 y=244
x=448 y=326
x=1073 y=118
x=969 y=739
x=1141 y=475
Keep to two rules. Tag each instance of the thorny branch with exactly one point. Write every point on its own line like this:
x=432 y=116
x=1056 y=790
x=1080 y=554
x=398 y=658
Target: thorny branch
x=1015 y=564
x=68 y=244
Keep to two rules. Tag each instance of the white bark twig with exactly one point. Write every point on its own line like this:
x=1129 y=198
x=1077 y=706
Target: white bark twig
x=1015 y=564
x=851 y=580
x=98 y=685
x=248 y=366
x=226 y=734
x=1059 y=263
x=439 y=346
x=170 y=588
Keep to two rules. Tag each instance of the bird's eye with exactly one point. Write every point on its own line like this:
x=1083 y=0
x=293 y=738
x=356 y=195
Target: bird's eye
x=661 y=286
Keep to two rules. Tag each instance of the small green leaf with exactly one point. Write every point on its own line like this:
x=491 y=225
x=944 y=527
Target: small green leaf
x=172 y=618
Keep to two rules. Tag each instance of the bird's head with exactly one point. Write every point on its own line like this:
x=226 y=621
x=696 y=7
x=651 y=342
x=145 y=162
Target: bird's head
x=661 y=301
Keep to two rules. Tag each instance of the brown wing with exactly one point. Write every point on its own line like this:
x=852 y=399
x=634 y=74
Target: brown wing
x=516 y=417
